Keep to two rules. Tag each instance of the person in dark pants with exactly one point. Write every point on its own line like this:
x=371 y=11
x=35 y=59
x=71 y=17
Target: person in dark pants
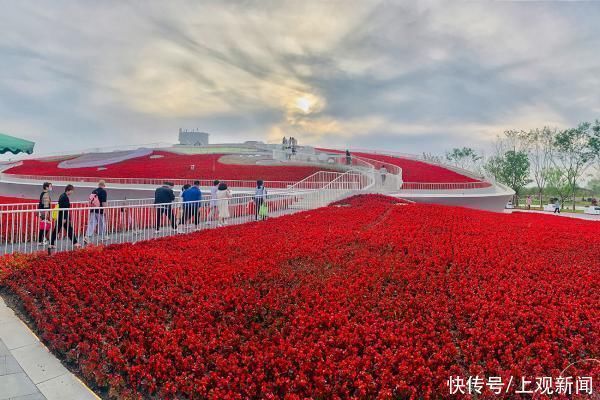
x=191 y=204
x=64 y=218
x=348 y=157
x=260 y=196
x=163 y=198
x=98 y=200
x=44 y=204
x=557 y=207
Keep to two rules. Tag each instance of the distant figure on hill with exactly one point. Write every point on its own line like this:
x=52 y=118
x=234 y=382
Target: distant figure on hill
x=528 y=202
x=98 y=199
x=260 y=197
x=383 y=172
x=63 y=219
x=191 y=203
x=164 y=198
x=223 y=197
x=45 y=203
x=348 y=157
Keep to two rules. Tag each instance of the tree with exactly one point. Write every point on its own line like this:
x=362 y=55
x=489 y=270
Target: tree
x=465 y=158
x=557 y=184
x=576 y=150
x=514 y=171
x=540 y=148
x=594 y=186
x=432 y=158
x=509 y=164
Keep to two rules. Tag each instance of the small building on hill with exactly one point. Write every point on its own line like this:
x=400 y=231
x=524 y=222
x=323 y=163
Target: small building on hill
x=193 y=137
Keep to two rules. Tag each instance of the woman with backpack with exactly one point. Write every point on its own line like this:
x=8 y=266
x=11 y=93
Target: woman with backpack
x=260 y=196
x=44 y=204
x=97 y=201
x=63 y=220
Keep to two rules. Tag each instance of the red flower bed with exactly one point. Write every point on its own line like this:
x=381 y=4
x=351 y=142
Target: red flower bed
x=171 y=165
x=15 y=200
x=416 y=171
x=370 y=300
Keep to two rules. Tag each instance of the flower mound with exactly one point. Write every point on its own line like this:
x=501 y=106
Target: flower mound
x=367 y=300
x=170 y=165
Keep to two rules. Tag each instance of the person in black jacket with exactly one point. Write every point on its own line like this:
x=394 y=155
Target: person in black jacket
x=64 y=218
x=163 y=199
x=45 y=203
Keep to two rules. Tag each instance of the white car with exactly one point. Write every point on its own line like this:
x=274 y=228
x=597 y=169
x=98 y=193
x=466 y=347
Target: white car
x=594 y=210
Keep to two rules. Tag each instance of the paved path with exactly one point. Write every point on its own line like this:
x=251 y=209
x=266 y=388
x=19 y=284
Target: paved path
x=28 y=371
x=587 y=217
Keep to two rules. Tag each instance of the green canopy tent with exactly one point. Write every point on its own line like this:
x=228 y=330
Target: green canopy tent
x=15 y=145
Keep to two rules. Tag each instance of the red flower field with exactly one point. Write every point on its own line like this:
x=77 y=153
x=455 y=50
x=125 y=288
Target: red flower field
x=366 y=299
x=171 y=165
x=415 y=170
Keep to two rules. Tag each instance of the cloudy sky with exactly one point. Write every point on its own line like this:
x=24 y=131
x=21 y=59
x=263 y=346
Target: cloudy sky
x=406 y=76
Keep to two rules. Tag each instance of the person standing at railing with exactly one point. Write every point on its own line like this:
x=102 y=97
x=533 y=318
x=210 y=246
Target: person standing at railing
x=223 y=197
x=98 y=200
x=213 y=211
x=163 y=199
x=383 y=172
x=260 y=196
x=44 y=204
x=191 y=204
x=348 y=157
x=63 y=220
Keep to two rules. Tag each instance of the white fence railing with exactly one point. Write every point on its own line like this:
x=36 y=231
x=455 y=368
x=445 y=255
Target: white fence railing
x=234 y=183
x=25 y=228
x=389 y=179
x=65 y=229
x=444 y=186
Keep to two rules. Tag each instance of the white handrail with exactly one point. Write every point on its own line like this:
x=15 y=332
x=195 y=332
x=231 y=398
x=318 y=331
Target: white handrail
x=21 y=230
x=238 y=183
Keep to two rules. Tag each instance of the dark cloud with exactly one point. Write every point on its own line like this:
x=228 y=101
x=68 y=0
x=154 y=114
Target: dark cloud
x=412 y=76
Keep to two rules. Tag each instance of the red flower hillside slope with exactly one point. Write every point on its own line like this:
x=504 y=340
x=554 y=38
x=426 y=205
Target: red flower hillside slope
x=365 y=299
x=171 y=165
x=414 y=171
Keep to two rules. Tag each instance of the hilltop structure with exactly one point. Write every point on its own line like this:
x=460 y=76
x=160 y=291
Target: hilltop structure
x=193 y=137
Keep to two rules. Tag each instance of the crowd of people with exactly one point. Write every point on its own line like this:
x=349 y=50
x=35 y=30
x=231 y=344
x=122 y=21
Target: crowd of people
x=177 y=211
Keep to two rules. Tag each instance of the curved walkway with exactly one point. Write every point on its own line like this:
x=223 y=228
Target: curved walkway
x=28 y=371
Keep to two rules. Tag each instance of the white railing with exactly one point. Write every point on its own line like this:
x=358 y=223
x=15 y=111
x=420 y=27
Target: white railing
x=30 y=230
x=444 y=186
x=318 y=180
x=24 y=228
x=415 y=157
x=387 y=180
x=234 y=183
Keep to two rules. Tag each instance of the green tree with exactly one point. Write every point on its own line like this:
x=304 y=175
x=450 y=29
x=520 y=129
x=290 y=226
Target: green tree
x=576 y=150
x=558 y=185
x=511 y=169
x=464 y=157
x=540 y=148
